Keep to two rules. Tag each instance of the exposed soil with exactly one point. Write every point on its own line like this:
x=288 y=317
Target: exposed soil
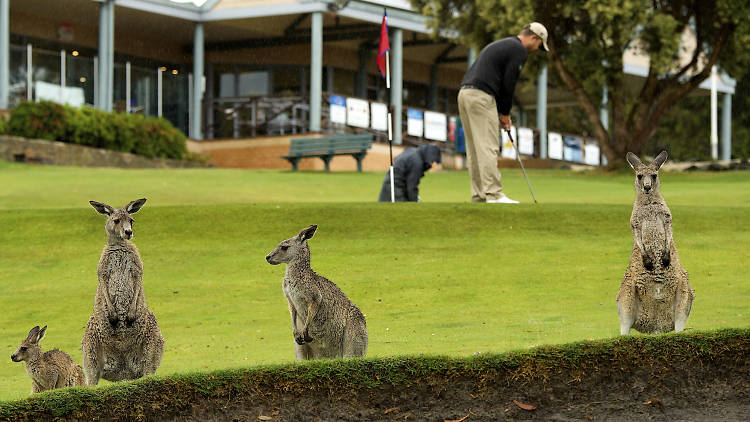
x=682 y=391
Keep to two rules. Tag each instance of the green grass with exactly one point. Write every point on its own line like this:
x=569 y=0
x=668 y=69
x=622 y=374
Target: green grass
x=441 y=277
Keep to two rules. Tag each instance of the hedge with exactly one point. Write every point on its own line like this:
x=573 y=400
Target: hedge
x=147 y=136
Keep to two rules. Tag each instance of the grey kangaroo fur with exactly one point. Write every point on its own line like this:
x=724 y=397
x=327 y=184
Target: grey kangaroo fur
x=325 y=323
x=122 y=339
x=655 y=295
x=48 y=370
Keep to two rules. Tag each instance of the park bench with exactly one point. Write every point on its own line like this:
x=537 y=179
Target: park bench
x=328 y=147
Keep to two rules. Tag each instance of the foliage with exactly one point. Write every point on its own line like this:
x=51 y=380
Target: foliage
x=150 y=137
x=3 y=126
x=589 y=37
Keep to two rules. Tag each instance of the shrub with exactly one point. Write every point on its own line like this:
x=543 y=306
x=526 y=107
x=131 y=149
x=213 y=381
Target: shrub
x=147 y=136
x=42 y=120
x=3 y=126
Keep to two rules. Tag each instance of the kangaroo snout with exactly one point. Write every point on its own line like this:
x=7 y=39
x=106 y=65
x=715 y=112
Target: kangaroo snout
x=14 y=358
x=129 y=233
x=270 y=260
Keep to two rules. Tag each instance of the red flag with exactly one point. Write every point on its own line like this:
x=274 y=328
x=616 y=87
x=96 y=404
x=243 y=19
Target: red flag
x=384 y=45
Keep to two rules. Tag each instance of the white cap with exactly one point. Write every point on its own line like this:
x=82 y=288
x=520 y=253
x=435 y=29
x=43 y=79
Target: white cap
x=540 y=31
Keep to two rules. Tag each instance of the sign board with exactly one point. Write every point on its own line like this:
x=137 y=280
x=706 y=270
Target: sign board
x=507 y=146
x=357 y=113
x=555 y=146
x=379 y=119
x=525 y=141
x=338 y=109
x=435 y=126
x=71 y=95
x=591 y=153
x=414 y=122
x=573 y=149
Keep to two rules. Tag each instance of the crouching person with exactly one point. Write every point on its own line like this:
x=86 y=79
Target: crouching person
x=408 y=169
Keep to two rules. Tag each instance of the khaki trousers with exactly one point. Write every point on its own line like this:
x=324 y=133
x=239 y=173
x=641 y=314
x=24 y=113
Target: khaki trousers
x=481 y=124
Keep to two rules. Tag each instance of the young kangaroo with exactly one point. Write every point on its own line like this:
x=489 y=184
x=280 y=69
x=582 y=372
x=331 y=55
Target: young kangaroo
x=49 y=370
x=122 y=339
x=325 y=323
x=655 y=295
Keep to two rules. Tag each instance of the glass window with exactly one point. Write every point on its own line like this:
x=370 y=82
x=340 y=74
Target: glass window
x=226 y=85
x=79 y=73
x=17 y=75
x=287 y=82
x=252 y=84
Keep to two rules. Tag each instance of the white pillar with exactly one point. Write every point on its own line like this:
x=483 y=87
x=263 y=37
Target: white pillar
x=541 y=110
x=197 y=83
x=62 y=76
x=29 y=73
x=726 y=127
x=159 y=98
x=316 y=70
x=127 y=87
x=397 y=82
x=472 y=57
x=714 y=123
x=4 y=53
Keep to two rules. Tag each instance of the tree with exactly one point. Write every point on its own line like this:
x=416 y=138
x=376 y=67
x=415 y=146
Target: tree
x=589 y=37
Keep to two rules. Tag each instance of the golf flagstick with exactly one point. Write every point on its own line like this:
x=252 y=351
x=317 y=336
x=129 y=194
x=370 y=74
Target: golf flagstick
x=512 y=142
x=390 y=121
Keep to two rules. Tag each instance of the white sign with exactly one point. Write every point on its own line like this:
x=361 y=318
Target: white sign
x=379 y=113
x=338 y=109
x=357 y=113
x=555 y=146
x=435 y=126
x=414 y=123
x=591 y=153
x=508 y=151
x=52 y=92
x=525 y=141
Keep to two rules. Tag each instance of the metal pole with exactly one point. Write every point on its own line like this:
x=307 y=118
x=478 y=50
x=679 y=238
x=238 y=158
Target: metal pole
x=197 y=82
x=111 y=56
x=714 y=123
x=128 y=86
x=4 y=53
x=541 y=110
x=96 y=82
x=726 y=127
x=316 y=70
x=29 y=73
x=518 y=156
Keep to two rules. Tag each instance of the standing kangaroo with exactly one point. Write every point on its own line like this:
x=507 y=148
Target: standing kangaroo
x=122 y=339
x=655 y=295
x=48 y=370
x=325 y=323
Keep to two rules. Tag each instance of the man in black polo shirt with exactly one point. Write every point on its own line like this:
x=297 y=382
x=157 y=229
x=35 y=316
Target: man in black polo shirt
x=484 y=104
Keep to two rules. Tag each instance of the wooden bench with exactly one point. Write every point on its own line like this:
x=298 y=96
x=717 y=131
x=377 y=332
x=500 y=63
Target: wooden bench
x=328 y=147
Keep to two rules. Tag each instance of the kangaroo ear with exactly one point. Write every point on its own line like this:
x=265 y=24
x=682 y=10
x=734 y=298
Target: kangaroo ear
x=660 y=159
x=134 y=206
x=41 y=334
x=633 y=160
x=102 y=208
x=307 y=233
x=33 y=333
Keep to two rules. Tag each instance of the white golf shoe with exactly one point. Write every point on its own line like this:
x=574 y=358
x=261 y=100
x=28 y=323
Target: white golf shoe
x=502 y=200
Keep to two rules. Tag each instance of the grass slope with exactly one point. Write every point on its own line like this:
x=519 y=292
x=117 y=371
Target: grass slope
x=180 y=394
x=441 y=277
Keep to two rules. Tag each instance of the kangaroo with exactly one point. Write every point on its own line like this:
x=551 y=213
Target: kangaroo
x=655 y=295
x=325 y=324
x=122 y=339
x=49 y=370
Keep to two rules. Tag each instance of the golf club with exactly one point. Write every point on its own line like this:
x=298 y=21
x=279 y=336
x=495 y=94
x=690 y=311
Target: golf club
x=521 y=163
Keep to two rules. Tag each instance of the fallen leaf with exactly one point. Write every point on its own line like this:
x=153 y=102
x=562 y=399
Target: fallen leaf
x=653 y=400
x=264 y=418
x=458 y=420
x=392 y=409
x=523 y=405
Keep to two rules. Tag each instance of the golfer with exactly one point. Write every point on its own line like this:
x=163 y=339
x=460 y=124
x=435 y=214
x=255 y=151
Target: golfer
x=485 y=97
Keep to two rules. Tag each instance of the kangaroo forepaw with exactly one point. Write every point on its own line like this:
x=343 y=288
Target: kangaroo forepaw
x=665 y=260
x=129 y=321
x=648 y=263
x=308 y=339
x=300 y=339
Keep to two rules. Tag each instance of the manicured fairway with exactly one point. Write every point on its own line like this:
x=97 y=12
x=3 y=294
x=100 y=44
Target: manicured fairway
x=440 y=277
